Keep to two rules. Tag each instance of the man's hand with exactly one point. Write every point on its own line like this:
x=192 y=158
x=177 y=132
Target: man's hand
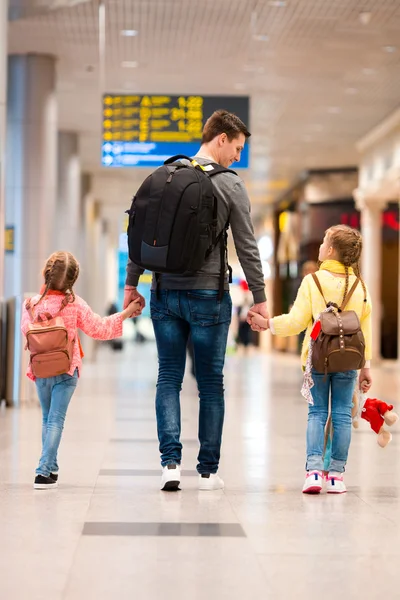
x=261 y=309
x=131 y=294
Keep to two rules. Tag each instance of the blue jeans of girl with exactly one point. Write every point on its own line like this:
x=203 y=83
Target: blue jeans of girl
x=339 y=387
x=54 y=394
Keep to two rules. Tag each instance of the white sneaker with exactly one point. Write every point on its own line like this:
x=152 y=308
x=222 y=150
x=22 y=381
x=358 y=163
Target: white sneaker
x=313 y=483
x=171 y=478
x=210 y=481
x=335 y=483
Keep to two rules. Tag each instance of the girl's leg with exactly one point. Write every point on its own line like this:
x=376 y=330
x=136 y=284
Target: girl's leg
x=61 y=395
x=44 y=387
x=342 y=397
x=317 y=417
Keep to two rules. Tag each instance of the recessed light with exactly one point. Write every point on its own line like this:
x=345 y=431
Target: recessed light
x=368 y=71
x=129 y=85
x=307 y=138
x=365 y=17
x=129 y=64
x=390 y=49
x=260 y=38
x=129 y=32
x=278 y=3
x=240 y=86
x=334 y=110
x=351 y=91
x=317 y=127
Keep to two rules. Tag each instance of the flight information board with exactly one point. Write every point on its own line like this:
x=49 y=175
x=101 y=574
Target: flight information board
x=145 y=130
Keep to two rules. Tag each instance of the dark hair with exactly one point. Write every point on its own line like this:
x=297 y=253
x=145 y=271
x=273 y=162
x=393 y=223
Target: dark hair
x=348 y=245
x=222 y=121
x=60 y=273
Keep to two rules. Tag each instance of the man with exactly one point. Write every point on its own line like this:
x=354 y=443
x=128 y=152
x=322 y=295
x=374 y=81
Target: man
x=189 y=304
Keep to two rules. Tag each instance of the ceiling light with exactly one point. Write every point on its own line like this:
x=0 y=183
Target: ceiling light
x=129 y=32
x=334 y=110
x=317 y=127
x=130 y=85
x=240 y=86
x=307 y=138
x=368 y=71
x=351 y=91
x=390 y=49
x=260 y=38
x=129 y=64
x=278 y=3
x=365 y=17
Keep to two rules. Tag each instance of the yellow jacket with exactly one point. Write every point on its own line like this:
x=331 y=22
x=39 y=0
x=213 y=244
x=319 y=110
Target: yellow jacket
x=309 y=304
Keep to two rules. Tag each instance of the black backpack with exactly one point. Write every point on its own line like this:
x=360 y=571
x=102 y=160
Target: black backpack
x=173 y=219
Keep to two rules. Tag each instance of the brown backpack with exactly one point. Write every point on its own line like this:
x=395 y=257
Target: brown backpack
x=340 y=345
x=48 y=343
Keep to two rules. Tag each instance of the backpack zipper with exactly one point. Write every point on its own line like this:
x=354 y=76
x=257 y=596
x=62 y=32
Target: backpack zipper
x=158 y=219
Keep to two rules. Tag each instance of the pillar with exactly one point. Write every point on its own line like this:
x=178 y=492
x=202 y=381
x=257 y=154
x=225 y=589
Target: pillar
x=31 y=169
x=371 y=228
x=3 y=104
x=68 y=204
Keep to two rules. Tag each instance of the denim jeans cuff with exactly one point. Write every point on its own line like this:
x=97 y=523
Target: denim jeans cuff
x=339 y=466
x=164 y=463
x=315 y=463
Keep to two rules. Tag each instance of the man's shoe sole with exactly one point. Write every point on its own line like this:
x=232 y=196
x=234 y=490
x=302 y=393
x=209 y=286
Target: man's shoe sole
x=171 y=486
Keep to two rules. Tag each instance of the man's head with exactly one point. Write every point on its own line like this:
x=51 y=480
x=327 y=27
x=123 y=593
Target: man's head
x=224 y=135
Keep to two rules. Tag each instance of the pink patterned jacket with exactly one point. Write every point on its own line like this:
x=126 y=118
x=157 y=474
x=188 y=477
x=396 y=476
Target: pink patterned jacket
x=76 y=315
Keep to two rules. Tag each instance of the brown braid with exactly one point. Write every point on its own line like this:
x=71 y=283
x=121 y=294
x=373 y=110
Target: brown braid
x=346 y=287
x=357 y=271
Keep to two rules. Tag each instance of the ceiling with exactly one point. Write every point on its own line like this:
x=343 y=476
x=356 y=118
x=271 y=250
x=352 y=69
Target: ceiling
x=320 y=73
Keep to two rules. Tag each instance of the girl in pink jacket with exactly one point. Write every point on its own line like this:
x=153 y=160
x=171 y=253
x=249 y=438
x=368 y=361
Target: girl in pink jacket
x=60 y=273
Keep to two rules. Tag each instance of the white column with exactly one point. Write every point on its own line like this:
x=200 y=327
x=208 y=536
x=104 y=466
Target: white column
x=68 y=210
x=371 y=228
x=3 y=103
x=31 y=169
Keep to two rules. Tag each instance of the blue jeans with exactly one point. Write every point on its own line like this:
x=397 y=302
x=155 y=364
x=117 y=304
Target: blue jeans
x=341 y=388
x=54 y=394
x=175 y=314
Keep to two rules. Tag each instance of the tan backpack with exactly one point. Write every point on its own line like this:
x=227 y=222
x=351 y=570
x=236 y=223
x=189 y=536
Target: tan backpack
x=48 y=343
x=340 y=345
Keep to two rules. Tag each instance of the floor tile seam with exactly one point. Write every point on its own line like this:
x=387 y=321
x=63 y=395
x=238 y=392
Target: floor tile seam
x=377 y=511
x=79 y=539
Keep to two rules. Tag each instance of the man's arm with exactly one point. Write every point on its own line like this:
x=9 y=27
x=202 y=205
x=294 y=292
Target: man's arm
x=247 y=249
x=133 y=273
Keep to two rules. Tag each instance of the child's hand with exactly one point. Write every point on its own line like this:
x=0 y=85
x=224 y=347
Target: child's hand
x=258 y=320
x=133 y=309
x=365 y=380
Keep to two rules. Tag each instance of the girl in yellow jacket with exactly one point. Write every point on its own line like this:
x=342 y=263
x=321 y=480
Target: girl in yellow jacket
x=339 y=255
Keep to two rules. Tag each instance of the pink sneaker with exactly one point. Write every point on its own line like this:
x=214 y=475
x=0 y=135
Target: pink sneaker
x=335 y=483
x=313 y=483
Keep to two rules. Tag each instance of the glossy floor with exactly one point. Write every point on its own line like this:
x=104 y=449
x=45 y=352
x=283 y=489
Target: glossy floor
x=108 y=532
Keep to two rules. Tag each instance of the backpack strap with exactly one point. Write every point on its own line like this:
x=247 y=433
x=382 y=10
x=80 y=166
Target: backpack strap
x=317 y=283
x=349 y=295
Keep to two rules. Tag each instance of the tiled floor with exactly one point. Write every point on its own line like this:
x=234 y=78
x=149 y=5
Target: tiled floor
x=108 y=532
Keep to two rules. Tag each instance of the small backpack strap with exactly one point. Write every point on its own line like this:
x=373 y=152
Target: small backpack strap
x=317 y=283
x=349 y=295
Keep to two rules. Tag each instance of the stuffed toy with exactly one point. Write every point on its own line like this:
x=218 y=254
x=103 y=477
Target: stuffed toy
x=377 y=413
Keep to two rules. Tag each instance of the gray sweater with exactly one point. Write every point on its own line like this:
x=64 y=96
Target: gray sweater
x=233 y=206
